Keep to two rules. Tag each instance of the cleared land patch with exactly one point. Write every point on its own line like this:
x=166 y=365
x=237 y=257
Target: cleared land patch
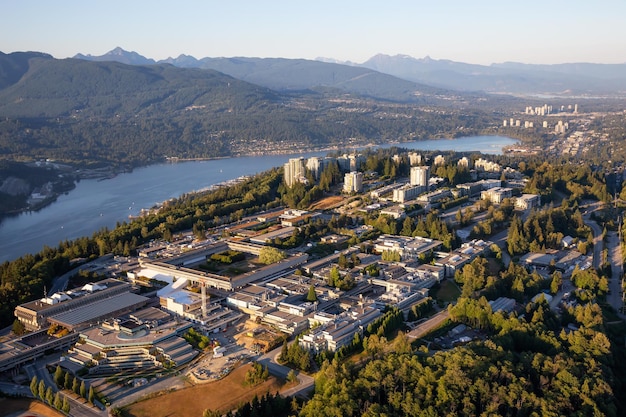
x=225 y=394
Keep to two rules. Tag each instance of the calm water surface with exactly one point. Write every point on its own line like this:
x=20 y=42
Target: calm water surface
x=95 y=204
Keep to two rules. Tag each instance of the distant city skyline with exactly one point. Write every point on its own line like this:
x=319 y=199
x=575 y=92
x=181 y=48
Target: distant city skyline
x=478 y=32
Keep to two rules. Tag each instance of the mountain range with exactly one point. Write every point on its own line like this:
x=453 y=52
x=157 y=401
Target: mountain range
x=103 y=111
x=505 y=78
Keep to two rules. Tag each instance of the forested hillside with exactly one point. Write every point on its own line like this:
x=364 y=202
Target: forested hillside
x=107 y=112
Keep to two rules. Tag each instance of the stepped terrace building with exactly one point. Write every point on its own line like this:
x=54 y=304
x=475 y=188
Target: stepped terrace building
x=147 y=339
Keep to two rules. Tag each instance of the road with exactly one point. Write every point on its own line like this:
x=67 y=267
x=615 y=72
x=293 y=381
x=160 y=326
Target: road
x=429 y=325
x=615 y=256
x=598 y=244
x=614 y=298
x=305 y=382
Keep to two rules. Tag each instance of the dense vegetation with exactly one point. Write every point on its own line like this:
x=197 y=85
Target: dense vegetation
x=527 y=363
x=107 y=112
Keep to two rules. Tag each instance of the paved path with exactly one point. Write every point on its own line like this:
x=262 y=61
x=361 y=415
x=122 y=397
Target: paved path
x=429 y=325
x=305 y=382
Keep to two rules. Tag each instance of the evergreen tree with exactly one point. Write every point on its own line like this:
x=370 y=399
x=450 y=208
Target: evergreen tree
x=311 y=296
x=67 y=383
x=33 y=386
x=66 y=405
x=76 y=386
x=58 y=402
x=83 y=389
x=49 y=396
x=41 y=390
x=59 y=376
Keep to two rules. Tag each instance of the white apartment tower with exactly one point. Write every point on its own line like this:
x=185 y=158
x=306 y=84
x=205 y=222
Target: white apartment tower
x=415 y=158
x=439 y=160
x=294 y=171
x=353 y=182
x=419 y=176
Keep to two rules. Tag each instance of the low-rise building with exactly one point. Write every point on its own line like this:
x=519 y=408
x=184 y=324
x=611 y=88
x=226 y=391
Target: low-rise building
x=408 y=247
x=527 y=201
x=35 y=315
x=337 y=331
x=497 y=194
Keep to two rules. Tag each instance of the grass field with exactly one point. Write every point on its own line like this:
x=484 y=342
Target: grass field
x=448 y=291
x=224 y=395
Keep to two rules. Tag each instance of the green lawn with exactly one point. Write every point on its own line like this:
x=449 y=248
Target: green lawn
x=448 y=291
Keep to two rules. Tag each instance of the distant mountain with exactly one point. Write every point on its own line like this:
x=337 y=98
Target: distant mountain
x=107 y=112
x=510 y=78
x=119 y=55
x=53 y=88
x=298 y=74
x=402 y=77
x=13 y=66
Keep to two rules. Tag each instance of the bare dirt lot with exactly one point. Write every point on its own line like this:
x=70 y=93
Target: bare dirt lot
x=328 y=202
x=13 y=407
x=224 y=395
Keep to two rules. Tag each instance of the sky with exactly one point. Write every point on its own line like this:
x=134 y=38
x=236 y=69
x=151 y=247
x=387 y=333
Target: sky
x=472 y=31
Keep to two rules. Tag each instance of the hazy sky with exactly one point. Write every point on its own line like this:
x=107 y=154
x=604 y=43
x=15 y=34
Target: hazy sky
x=473 y=31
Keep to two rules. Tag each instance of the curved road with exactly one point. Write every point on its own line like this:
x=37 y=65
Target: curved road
x=305 y=385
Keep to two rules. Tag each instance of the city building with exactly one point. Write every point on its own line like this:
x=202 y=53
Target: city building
x=294 y=171
x=464 y=163
x=109 y=294
x=406 y=193
x=142 y=341
x=487 y=166
x=415 y=158
x=527 y=201
x=353 y=182
x=335 y=331
x=434 y=196
x=419 y=176
x=408 y=247
x=497 y=194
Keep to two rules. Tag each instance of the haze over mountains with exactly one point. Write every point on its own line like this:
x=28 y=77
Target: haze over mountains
x=504 y=78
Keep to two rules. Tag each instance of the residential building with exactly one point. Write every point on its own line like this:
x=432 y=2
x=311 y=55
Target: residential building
x=419 y=176
x=406 y=193
x=527 y=201
x=294 y=171
x=353 y=182
x=496 y=195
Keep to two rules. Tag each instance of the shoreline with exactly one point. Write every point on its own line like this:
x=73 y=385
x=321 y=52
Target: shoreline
x=103 y=173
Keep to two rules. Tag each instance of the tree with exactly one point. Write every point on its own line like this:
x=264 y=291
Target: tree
x=41 y=390
x=557 y=281
x=68 y=381
x=311 y=296
x=18 y=328
x=76 y=386
x=291 y=376
x=270 y=255
x=49 y=396
x=33 y=386
x=58 y=402
x=83 y=389
x=66 y=405
x=59 y=376
x=92 y=395
x=333 y=277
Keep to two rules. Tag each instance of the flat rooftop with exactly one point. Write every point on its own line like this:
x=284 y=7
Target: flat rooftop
x=100 y=308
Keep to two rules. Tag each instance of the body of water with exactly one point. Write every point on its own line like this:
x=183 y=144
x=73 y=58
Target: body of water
x=95 y=204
